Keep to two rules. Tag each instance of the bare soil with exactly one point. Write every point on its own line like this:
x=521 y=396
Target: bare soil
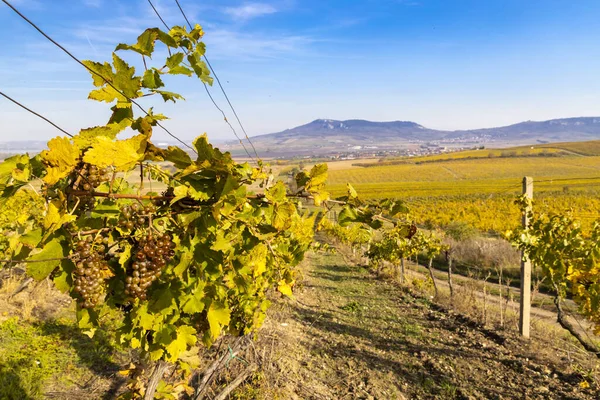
x=351 y=335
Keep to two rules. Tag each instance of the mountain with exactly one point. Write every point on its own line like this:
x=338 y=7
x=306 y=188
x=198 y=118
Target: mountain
x=326 y=136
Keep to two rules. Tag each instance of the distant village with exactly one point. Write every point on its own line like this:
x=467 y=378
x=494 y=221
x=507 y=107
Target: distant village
x=356 y=152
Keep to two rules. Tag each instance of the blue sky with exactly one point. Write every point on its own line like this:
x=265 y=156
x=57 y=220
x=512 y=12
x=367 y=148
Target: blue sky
x=446 y=64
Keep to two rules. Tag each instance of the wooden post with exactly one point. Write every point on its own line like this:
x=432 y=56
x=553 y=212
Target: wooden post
x=525 y=309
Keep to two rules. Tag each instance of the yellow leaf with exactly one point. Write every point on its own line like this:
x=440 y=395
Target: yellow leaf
x=60 y=159
x=55 y=217
x=218 y=316
x=122 y=154
x=285 y=288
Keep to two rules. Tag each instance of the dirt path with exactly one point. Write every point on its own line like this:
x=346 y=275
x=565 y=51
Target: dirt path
x=543 y=307
x=349 y=335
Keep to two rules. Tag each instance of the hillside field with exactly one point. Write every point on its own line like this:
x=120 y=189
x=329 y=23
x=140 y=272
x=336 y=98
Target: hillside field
x=478 y=191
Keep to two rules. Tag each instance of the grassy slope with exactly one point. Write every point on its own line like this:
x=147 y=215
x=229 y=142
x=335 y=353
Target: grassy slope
x=44 y=354
x=349 y=335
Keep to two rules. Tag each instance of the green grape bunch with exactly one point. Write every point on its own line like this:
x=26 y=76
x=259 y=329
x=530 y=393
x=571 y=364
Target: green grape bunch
x=152 y=254
x=90 y=271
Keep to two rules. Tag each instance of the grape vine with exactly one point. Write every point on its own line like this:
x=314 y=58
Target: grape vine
x=566 y=254
x=182 y=267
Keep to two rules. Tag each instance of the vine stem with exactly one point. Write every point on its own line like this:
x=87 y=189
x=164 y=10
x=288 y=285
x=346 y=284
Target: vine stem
x=159 y=370
x=33 y=261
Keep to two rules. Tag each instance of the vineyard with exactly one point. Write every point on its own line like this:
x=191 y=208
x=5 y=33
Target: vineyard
x=136 y=271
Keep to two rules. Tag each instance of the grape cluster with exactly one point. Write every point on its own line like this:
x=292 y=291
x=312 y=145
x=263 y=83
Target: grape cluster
x=135 y=216
x=89 y=271
x=153 y=253
x=90 y=177
x=87 y=178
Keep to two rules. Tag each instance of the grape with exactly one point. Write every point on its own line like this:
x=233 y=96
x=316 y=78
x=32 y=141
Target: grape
x=150 y=257
x=88 y=279
x=86 y=178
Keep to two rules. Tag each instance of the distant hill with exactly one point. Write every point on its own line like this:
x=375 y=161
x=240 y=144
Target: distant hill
x=324 y=136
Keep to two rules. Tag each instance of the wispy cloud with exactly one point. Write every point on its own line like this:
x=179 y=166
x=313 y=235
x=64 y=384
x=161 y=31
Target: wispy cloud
x=229 y=44
x=250 y=10
x=93 y=3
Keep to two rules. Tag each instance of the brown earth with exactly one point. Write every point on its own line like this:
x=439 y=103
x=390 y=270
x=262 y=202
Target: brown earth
x=350 y=335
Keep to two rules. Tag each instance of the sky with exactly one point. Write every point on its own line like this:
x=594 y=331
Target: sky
x=445 y=64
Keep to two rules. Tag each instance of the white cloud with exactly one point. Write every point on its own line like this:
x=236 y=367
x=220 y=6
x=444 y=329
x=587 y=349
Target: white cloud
x=93 y=3
x=228 y=44
x=250 y=10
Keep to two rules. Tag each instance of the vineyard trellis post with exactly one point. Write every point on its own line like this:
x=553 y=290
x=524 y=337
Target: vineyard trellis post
x=525 y=306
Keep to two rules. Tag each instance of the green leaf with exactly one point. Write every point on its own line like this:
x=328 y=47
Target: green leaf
x=218 y=316
x=180 y=158
x=32 y=238
x=221 y=243
x=87 y=318
x=199 y=68
x=145 y=43
x=174 y=60
x=169 y=95
x=351 y=192
x=165 y=302
x=40 y=265
x=151 y=79
x=347 y=216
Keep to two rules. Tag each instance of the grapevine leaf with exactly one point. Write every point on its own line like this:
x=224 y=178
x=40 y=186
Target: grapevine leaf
x=318 y=175
x=86 y=318
x=61 y=158
x=347 y=216
x=221 y=243
x=285 y=288
x=32 y=238
x=282 y=216
x=63 y=280
x=199 y=68
x=165 y=302
x=8 y=168
x=156 y=354
x=151 y=79
x=41 y=264
x=122 y=78
x=178 y=157
x=184 y=261
x=169 y=95
x=122 y=154
x=218 y=316
x=174 y=60
x=145 y=43
x=194 y=304
x=142 y=318
x=276 y=193
x=181 y=70
x=186 y=336
x=56 y=217
x=352 y=194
